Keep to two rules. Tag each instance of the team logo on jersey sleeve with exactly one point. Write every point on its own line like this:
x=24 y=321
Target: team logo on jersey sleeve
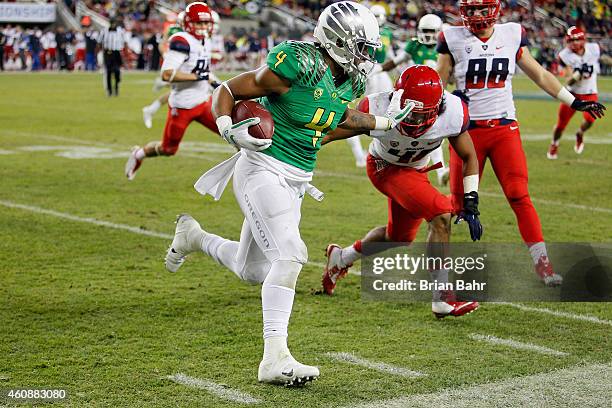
x=394 y=143
x=318 y=93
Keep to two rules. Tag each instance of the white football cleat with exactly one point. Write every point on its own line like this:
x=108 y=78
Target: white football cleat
x=579 y=145
x=147 y=117
x=159 y=84
x=187 y=239
x=132 y=164
x=286 y=371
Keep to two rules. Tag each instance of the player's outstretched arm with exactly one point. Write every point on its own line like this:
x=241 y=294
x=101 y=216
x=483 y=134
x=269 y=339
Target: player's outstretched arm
x=548 y=83
x=249 y=85
x=364 y=122
x=339 y=134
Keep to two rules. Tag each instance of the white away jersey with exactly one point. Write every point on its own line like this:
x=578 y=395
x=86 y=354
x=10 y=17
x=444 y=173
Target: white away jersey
x=588 y=63
x=485 y=69
x=395 y=148
x=189 y=55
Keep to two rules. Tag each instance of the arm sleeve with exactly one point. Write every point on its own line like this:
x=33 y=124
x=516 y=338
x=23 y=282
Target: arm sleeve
x=442 y=46
x=173 y=60
x=282 y=61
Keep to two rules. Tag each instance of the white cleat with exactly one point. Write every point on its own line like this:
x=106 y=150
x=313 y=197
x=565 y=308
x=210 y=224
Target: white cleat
x=159 y=84
x=187 y=239
x=286 y=371
x=579 y=145
x=132 y=164
x=147 y=117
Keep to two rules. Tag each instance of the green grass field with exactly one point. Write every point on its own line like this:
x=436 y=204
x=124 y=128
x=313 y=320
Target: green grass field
x=90 y=308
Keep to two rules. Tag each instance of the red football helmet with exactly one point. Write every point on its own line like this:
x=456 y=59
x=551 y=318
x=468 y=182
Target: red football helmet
x=196 y=14
x=575 y=39
x=478 y=15
x=423 y=86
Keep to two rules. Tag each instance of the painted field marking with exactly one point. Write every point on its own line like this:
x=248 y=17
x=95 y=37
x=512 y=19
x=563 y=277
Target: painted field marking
x=483 y=193
x=374 y=365
x=516 y=344
x=580 y=386
x=199 y=146
x=557 y=313
x=217 y=390
x=88 y=220
x=589 y=139
x=94 y=221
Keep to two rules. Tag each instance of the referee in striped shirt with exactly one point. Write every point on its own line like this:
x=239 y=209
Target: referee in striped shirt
x=113 y=40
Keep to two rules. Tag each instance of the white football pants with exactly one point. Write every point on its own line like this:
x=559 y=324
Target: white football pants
x=270 y=230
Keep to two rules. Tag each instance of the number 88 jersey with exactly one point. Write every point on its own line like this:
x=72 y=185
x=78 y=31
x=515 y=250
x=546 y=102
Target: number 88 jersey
x=484 y=69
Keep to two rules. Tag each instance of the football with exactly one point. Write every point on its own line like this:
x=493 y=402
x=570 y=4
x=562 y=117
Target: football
x=250 y=109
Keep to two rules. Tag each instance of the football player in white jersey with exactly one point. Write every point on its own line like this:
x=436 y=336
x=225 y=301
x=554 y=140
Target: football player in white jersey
x=581 y=62
x=397 y=166
x=483 y=57
x=186 y=66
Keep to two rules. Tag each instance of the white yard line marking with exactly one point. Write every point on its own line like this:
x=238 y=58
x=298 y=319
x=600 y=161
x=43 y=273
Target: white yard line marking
x=482 y=193
x=374 y=365
x=88 y=220
x=581 y=386
x=107 y=224
x=555 y=203
x=218 y=390
x=516 y=344
x=589 y=139
x=557 y=313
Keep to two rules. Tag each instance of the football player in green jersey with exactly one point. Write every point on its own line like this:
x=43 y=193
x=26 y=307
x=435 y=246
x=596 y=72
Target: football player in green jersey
x=378 y=82
x=306 y=87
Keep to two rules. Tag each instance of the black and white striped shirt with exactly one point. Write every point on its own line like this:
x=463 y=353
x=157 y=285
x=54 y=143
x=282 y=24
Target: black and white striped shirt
x=113 y=40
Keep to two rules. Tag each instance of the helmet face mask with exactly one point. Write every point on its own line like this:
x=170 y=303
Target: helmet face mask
x=478 y=15
x=198 y=20
x=349 y=33
x=423 y=87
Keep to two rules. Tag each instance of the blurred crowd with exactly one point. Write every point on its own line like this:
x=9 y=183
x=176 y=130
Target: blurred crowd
x=57 y=48
x=538 y=17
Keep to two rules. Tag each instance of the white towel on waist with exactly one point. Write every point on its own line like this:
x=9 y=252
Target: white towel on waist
x=215 y=180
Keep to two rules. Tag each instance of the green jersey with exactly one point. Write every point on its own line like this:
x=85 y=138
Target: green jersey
x=312 y=107
x=386 y=37
x=173 y=30
x=421 y=53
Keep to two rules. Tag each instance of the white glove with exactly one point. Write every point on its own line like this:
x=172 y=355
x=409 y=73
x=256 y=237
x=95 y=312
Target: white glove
x=238 y=135
x=395 y=113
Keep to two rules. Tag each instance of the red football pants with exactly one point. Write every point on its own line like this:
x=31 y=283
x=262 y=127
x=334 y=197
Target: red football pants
x=411 y=198
x=179 y=119
x=502 y=145
x=565 y=112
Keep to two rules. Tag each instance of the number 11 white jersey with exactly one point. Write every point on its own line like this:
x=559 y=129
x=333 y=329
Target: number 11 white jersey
x=484 y=69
